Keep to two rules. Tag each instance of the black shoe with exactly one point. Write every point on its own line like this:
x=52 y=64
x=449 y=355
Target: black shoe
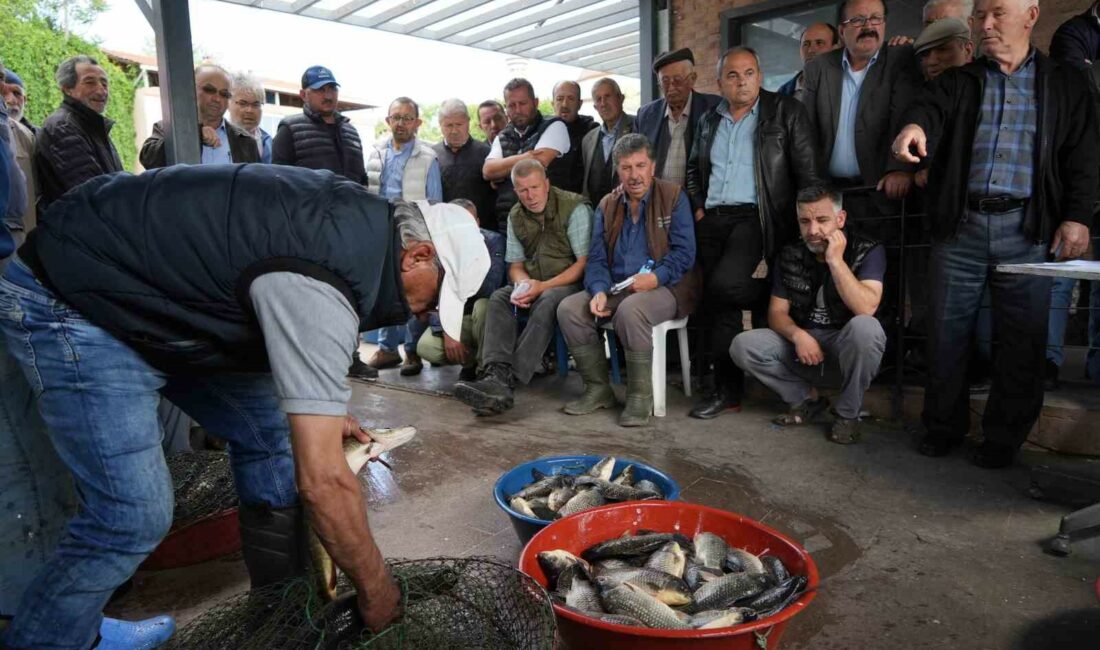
x=1050 y=378
x=993 y=455
x=935 y=446
x=468 y=373
x=360 y=370
x=492 y=393
x=715 y=404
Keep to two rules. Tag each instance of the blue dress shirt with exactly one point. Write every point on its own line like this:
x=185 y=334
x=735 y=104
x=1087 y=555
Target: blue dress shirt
x=220 y=153
x=732 y=159
x=844 y=163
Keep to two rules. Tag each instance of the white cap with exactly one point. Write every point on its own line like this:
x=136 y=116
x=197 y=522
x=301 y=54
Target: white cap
x=462 y=253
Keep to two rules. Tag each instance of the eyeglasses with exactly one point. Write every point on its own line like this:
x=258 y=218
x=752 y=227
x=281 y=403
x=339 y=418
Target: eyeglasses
x=211 y=90
x=401 y=119
x=860 y=21
x=678 y=80
x=253 y=105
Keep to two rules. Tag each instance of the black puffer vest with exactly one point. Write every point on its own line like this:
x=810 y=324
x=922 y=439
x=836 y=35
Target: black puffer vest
x=567 y=172
x=317 y=149
x=797 y=264
x=512 y=143
x=164 y=261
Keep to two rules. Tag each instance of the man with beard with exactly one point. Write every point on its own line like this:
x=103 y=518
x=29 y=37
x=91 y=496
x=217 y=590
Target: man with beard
x=821 y=318
x=818 y=38
x=568 y=172
x=222 y=142
x=528 y=135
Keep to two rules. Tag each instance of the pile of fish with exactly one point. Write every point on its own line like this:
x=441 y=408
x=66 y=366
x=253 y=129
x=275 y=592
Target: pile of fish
x=554 y=496
x=667 y=581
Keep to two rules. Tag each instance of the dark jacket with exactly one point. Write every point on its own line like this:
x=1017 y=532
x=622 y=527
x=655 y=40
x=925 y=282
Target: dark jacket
x=73 y=145
x=462 y=179
x=1077 y=41
x=242 y=146
x=652 y=122
x=1067 y=146
x=567 y=172
x=890 y=85
x=601 y=178
x=797 y=265
x=164 y=260
x=306 y=140
x=512 y=143
x=790 y=86
x=785 y=161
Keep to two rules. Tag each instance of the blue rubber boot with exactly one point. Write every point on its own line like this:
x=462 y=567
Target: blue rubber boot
x=135 y=635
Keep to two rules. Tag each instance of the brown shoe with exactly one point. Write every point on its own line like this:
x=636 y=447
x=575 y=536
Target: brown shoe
x=412 y=366
x=382 y=359
x=844 y=431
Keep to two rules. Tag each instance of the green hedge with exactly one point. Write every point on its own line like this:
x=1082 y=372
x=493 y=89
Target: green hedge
x=33 y=49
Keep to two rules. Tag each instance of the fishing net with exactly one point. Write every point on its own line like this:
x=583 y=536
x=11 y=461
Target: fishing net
x=448 y=603
x=202 y=484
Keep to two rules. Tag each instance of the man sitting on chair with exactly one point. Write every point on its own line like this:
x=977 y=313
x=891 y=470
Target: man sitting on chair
x=644 y=235
x=825 y=292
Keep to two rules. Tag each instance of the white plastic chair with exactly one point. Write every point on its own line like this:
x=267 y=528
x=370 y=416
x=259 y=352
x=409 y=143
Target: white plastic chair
x=660 y=360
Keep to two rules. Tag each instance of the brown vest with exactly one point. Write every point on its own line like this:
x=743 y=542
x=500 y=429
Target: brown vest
x=658 y=221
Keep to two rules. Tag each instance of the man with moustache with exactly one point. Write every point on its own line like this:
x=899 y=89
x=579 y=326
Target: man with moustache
x=818 y=38
x=247 y=109
x=1012 y=148
x=568 y=171
x=222 y=142
x=22 y=145
x=600 y=176
x=74 y=143
x=825 y=291
x=491 y=118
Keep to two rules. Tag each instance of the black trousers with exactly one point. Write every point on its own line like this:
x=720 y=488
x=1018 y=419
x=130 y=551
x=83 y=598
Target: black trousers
x=729 y=245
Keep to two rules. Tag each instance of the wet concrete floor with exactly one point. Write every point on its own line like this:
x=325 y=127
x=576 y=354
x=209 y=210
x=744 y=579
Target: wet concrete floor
x=913 y=552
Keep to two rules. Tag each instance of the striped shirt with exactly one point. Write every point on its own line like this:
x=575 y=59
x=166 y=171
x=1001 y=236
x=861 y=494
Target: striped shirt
x=1004 y=145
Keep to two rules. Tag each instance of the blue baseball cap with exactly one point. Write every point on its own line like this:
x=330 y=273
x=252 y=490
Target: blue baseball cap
x=12 y=78
x=318 y=76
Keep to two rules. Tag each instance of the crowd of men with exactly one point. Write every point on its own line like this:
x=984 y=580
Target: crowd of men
x=746 y=207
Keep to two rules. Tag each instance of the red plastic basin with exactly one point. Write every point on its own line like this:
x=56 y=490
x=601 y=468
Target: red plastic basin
x=582 y=530
x=206 y=539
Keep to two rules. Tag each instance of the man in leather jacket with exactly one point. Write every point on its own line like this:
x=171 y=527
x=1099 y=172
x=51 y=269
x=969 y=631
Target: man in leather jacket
x=752 y=154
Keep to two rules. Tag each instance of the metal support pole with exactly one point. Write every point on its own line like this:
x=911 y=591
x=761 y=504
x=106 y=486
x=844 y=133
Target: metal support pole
x=172 y=26
x=647 y=48
x=899 y=368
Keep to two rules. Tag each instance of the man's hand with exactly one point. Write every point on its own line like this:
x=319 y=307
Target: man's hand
x=353 y=430
x=920 y=179
x=381 y=604
x=644 y=282
x=837 y=242
x=1073 y=238
x=210 y=137
x=699 y=214
x=899 y=40
x=911 y=136
x=534 y=290
x=454 y=350
x=598 y=305
x=807 y=349
x=896 y=185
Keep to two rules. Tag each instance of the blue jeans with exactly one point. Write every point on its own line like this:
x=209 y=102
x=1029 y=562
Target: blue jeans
x=1061 y=293
x=390 y=337
x=960 y=271
x=99 y=400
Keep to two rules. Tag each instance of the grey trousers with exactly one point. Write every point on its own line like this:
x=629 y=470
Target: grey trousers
x=632 y=314
x=853 y=353
x=504 y=343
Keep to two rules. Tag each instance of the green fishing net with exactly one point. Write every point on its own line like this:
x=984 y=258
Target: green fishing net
x=202 y=484
x=448 y=603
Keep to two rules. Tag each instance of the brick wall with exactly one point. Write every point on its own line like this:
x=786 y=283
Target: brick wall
x=695 y=24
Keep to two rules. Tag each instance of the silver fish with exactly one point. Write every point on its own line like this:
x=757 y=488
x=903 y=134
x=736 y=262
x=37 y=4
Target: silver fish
x=578 y=592
x=603 y=469
x=613 y=563
x=614 y=491
x=649 y=486
x=776 y=568
x=625 y=477
x=582 y=501
x=670 y=558
x=666 y=588
x=628 y=546
x=631 y=600
x=560 y=496
x=710 y=550
x=696 y=574
x=723 y=592
x=716 y=618
x=520 y=505
x=619 y=619
x=553 y=563
x=543 y=487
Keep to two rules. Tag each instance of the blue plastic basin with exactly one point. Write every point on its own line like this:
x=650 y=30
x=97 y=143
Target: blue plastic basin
x=520 y=476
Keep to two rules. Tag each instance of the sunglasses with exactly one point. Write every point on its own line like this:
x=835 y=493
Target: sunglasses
x=211 y=90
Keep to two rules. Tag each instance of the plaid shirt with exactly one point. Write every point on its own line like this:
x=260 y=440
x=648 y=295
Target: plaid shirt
x=675 y=170
x=1004 y=145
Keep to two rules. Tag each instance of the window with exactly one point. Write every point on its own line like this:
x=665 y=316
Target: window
x=774 y=30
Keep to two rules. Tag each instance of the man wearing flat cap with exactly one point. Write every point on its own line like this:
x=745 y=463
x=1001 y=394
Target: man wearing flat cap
x=274 y=273
x=942 y=45
x=669 y=122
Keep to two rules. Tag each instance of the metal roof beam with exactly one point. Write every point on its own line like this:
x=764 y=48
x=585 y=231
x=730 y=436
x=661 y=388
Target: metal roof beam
x=563 y=29
x=576 y=43
x=480 y=19
x=603 y=48
x=566 y=7
x=439 y=16
x=302 y=4
x=605 y=60
x=388 y=15
x=347 y=9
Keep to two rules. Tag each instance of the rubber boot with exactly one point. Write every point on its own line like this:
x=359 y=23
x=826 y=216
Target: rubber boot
x=592 y=367
x=135 y=635
x=639 y=389
x=490 y=394
x=273 y=543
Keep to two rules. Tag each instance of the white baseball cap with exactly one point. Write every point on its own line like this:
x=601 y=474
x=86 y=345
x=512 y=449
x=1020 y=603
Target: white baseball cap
x=462 y=253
